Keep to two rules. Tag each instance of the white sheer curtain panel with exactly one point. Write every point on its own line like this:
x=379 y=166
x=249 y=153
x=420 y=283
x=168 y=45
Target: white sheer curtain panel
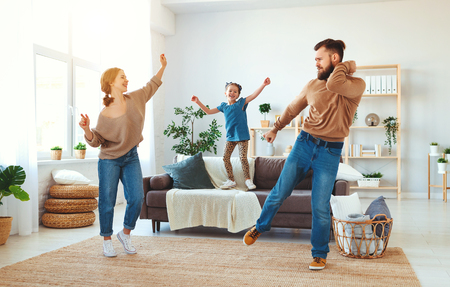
x=17 y=143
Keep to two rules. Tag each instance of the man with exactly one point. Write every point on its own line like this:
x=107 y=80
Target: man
x=333 y=99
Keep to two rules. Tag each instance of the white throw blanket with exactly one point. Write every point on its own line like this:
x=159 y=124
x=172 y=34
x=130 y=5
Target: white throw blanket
x=233 y=209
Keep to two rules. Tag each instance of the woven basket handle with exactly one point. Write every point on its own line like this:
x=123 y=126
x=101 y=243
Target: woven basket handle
x=385 y=216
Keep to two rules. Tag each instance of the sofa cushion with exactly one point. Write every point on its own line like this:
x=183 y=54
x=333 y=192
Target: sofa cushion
x=190 y=173
x=379 y=206
x=268 y=170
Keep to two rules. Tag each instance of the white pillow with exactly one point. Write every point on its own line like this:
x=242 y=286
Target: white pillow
x=348 y=173
x=345 y=205
x=64 y=176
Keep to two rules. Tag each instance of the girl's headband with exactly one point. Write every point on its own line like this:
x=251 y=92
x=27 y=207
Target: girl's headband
x=229 y=83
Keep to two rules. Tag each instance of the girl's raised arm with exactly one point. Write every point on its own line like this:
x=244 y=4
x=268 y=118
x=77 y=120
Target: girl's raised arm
x=207 y=110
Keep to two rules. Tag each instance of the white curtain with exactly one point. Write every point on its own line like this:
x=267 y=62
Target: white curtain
x=17 y=142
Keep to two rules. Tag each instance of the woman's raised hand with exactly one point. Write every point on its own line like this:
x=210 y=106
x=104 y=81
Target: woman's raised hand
x=84 y=122
x=163 y=60
x=194 y=99
x=267 y=81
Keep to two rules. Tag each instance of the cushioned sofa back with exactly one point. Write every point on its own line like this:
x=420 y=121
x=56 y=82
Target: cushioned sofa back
x=268 y=170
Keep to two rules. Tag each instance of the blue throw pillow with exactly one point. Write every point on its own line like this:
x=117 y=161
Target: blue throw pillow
x=190 y=173
x=379 y=206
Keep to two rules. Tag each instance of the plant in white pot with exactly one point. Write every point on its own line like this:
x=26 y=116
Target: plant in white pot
x=442 y=164
x=434 y=148
x=370 y=179
x=264 y=109
x=447 y=153
x=11 y=178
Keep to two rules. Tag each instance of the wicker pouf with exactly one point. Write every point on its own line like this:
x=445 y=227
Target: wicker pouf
x=70 y=220
x=55 y=205
x=5 y=228
x=74 y=191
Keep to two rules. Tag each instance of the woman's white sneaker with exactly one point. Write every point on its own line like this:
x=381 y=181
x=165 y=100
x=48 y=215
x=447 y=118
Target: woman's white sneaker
x=108 y=249
x=126 y=242
x=228 y=184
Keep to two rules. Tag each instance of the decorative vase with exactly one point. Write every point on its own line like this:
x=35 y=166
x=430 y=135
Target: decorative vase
x=80 y=154
x=447 y=156
x=270 y=151
x=434 y=149
x=5 y=228
x=265 y=123
x=56 y=154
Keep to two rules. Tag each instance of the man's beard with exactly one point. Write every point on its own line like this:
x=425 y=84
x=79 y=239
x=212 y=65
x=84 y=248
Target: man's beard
x=325 y=73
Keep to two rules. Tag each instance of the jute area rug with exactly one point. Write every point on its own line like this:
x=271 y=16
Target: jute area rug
x=176 y=261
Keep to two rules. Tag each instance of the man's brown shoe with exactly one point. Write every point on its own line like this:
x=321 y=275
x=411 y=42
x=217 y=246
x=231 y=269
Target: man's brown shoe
x=251 y=236
x=318 y=263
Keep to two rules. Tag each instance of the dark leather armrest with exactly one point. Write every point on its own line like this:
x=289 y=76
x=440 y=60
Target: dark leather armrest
x=341 y=187
x=154 y=182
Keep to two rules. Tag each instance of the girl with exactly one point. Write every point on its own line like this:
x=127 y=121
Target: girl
x=236 y=126
x=118 y=133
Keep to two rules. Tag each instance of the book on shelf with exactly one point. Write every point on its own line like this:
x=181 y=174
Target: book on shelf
x=389 y=84
x=394 y=84
x=377 y=150
x=367 y=91
x=383 y=84
x=356 y=150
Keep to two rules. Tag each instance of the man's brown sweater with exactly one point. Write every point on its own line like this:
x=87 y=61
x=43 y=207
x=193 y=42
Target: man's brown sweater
x=332 y=102
x=117 y=136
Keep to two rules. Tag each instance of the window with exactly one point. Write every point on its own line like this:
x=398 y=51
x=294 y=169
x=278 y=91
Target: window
x=65 y=84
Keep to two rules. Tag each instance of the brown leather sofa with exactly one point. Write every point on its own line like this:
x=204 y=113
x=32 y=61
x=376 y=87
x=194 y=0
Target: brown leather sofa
x=294 y=213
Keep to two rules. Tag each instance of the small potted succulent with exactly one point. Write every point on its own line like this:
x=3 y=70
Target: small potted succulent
x=56 y=152
x=264 y=110
x=11 y=178
x=370 y=179
x=442 y=164
x=434 y=148
x=80 y=150
x=447 y=153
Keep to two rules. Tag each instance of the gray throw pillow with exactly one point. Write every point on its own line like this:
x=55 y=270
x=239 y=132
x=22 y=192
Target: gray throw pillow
x=190 y=173
x=379 y=206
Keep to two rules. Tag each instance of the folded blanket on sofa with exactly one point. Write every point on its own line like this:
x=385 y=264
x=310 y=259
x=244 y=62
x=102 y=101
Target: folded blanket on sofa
x=232 y=209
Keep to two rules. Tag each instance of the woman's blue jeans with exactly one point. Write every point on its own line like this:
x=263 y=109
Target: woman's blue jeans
x=324 y=161
x=127 y=168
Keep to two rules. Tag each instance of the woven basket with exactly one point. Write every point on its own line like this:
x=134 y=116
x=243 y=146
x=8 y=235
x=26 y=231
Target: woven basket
x=70 y=205
x=74 y=191
x=5 y=228
x=369 y=182
x=364 y=247
x=68 y=220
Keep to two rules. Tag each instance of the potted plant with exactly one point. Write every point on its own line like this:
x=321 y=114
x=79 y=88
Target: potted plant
x=80 y=150
x=56 y=152
x=10 y=180
x=442 y=164
x=185 y=133
x=434 y=148
x=447 y=153
x=264 y=110
x=391 y=128
x=370 y=180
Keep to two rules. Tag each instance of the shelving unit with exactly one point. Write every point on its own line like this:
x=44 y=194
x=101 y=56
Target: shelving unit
x=379 y=129
x=296 y=128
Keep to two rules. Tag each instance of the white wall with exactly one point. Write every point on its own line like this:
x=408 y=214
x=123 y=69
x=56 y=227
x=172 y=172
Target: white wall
x=246 y=46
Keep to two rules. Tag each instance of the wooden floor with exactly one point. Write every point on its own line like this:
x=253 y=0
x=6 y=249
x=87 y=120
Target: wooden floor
x=421 y=228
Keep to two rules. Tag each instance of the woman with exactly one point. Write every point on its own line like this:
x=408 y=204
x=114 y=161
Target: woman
x=118 y=133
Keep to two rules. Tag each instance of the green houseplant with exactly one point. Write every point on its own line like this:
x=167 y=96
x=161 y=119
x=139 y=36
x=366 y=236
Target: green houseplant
x=56 y=152
x=264 y=109
x=442 y=164
x=185 y=133
x=11 y=179
x=80 y=150
x=434 y=146
x=391 y=128
x=447 y=153
x=370 y=179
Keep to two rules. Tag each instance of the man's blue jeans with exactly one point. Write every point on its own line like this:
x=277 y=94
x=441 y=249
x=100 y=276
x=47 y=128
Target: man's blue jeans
x=127 y=168
x=324 y=161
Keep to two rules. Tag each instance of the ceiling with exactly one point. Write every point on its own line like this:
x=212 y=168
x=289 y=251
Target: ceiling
x=207 y=6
